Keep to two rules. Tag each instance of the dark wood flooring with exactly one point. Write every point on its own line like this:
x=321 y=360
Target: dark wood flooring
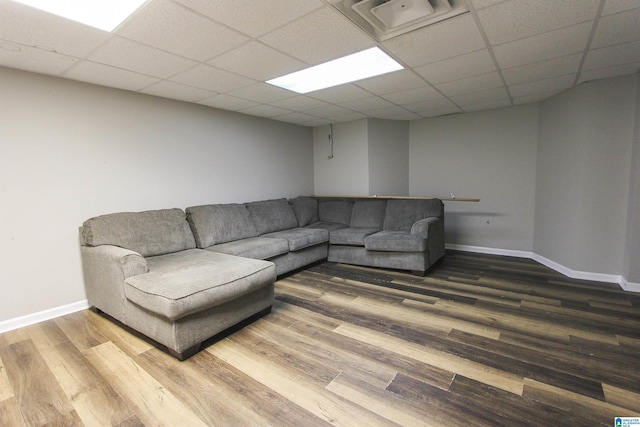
x=480 y=341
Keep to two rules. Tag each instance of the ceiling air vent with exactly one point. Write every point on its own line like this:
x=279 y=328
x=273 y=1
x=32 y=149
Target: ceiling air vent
x=385 y=19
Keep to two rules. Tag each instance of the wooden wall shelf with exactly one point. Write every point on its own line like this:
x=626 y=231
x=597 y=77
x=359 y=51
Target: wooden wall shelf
x=446 y=199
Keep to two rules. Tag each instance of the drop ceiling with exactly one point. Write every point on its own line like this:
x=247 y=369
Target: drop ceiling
x=219 y=53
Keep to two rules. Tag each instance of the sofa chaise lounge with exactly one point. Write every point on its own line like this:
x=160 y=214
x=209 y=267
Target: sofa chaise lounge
x=180 y=277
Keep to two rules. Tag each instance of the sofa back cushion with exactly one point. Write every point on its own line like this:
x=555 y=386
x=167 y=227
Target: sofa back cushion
x=149 y=233
x=368 y=214
x=305 y=210
x=402 y=214
x=215 y=224
x=336 y=211
x=272 y=215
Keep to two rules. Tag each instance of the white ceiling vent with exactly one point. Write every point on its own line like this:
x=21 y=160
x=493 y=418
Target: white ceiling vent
x=385 y=19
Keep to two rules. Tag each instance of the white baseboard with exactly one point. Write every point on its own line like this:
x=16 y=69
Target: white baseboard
x=41 y=316
x=630 y=286
x=574 y=274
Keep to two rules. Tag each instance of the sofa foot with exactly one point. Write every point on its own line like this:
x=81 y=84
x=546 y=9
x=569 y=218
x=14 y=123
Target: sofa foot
x=419 y=273
x=185 y=354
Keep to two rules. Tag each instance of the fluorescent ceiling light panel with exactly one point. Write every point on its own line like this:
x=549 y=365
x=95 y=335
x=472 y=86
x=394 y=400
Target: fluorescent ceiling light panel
x=358 y=66
x=103 y=14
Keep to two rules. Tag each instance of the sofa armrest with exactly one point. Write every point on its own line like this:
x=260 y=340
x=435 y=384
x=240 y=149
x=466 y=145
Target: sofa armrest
x=425 y=227
x=105 y=269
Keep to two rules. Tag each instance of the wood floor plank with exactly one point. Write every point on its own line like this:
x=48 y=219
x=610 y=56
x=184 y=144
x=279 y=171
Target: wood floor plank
x=295 y=387
x=10 y=414
x=622 y=397
x=384 y=403
x=155 y=404
x=500 y=379
x=6 y=391
x=594 y=409
x=39 y=396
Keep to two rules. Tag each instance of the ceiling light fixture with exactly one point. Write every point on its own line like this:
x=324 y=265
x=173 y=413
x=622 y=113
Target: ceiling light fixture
x=106 y=15
x=368 y=63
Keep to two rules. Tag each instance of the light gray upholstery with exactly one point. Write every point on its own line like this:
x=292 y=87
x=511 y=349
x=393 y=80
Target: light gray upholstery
x=272 y=215
x=187 y=282
x=395 y=241
x=368 y=214
x=215 y=224
x=350 y=236
x=253 y=247
x=305 y=210
x=144 y=270
x=335 y=211
x=148 y=233
x=300 y=238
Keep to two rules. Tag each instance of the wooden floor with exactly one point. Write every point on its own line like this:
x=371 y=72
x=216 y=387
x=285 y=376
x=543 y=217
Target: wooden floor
x=482 y=340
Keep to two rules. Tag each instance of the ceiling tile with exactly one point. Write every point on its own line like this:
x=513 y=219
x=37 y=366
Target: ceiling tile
x=446 y=39
x=32 y=27
x=211 y=78
x=471 y=84
x=32 y=59
x=242 y=61
x=536 y=97
x=424 y=93
x=263 y=93
x=618 y=28
x=441 y=104
x=546 y=85
x=612 y=56
x=319 y=37
x=393 y=113
x=488 y=105
x=366 y=104
x=168 y=89
x=340 y=93
x=517 y=19
x=391 y=82
x=543 y=69
x=299 y=103
x=490 y=95
x=545 y=46
x=615 y=6
x=168 y=26
x=227 y=102
x=104 y=75
x=130 y=55
x=251 y=17
x=605 y=73
x=329 y=111
x=479 y=4
x=458 y=67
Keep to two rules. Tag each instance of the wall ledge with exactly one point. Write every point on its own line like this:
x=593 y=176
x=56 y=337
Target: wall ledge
x=41 y=316
x=574 y=274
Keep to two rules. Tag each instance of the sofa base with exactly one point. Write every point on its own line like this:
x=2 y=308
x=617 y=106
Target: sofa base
x=416 y=262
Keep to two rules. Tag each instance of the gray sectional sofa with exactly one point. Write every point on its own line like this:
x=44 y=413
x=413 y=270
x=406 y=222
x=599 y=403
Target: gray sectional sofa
x=181 y=277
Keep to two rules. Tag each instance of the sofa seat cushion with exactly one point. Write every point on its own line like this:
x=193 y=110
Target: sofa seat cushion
x=353 y=236
x=329 y=226
x=190 y=281
x=300 y=238
x=395 y=241
x=255 y=247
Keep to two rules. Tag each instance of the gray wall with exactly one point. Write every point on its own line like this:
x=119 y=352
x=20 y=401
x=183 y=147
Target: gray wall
x=583 y=176
x=490 y=155
x=347 y=173
x=69 y=151
x=631 y=270
x=388 y=157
